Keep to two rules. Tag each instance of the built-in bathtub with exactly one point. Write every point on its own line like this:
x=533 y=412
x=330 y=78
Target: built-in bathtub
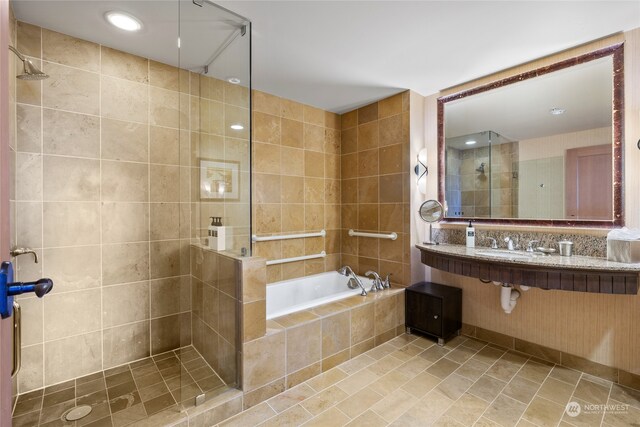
x=289 y=296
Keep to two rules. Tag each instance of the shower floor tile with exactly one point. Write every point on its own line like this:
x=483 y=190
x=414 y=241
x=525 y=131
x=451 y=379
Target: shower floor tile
x=123 y=395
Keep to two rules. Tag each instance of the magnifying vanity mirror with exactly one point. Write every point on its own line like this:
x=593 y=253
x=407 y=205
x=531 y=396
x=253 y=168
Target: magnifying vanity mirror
x=431 y=211
x=543 y=147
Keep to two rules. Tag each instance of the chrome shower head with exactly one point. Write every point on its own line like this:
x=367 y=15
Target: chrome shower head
x=30 y=71
x=344 y=270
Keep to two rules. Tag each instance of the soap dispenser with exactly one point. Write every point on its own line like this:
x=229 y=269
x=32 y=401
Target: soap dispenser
x=471 y=236
x=217 y=234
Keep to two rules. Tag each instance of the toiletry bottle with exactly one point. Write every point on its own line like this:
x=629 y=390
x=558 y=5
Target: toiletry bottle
x=221 y=235
x=212 y=238
x=471 y=236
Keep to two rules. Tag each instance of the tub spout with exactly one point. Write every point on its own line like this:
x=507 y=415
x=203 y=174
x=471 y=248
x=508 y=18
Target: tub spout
x=508 y=297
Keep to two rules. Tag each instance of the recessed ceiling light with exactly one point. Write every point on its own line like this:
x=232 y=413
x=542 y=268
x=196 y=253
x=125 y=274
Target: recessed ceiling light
x=233 y=80
x=237 y=126
x=124 y=21
x=470 y=142
x=557 y=111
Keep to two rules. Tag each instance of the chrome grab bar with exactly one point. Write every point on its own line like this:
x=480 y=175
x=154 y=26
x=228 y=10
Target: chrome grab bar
x=17 y=339
x=256 y=238
x=297 y=258
x=390 y=236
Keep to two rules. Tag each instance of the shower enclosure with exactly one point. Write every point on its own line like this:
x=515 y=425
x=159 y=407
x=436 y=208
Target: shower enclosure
x=118 y=161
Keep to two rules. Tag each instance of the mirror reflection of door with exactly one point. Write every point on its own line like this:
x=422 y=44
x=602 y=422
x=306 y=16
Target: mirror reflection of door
x=588 y=180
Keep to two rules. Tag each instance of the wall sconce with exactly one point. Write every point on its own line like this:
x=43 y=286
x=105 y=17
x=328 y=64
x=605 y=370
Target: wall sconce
x=422 y=171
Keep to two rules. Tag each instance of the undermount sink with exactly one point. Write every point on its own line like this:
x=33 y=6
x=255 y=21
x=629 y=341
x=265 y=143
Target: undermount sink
x=505 y=254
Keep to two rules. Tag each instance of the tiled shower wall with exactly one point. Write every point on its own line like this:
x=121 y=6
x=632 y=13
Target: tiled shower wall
x=101 y=167
x=375 y=187
x=296 y=178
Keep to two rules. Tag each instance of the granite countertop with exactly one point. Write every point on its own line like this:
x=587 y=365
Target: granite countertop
x=552 y=261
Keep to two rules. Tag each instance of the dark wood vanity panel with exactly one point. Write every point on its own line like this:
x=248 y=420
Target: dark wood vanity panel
x=543 y=277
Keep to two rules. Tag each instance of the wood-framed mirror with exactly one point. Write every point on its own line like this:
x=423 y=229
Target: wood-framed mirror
x=539 y=148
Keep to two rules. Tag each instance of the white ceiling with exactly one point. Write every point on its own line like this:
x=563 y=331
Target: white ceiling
x=520 y=111
x=342 y=54
x=339 y=55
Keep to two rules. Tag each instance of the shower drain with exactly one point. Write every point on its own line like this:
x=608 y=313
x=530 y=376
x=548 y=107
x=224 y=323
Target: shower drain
x=77 y=413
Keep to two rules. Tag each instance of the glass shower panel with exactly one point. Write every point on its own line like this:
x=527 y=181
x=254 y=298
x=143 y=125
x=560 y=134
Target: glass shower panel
x=215 y=49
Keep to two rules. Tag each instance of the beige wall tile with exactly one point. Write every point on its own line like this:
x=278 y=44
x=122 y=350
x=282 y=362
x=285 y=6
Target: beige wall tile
x=163 y=76
x=266 y=103
x=124 y=222
x=165 y=221
x=116 y=63
x=31 y=373
x=125 y=343
x=72 y=268
x=313 y=115
x=29 y=128
x=29 y=170
x=71 y=89
x=71 y=223
x=236 y=94
x=168 y=296
x=164 y=107
x=266 y=128
x=165 y=333
x=123 y=181
x=254 y=320
x=28 y=224
x=32 y=315
x=123 y=263
x=61 y=365
x=67 y=50
x=264 y=361
x=71 y=179
x=165 y=183
x=335 y=334
x=304 y=345
x=124 y=140
x=29 y=39
x=126 y=303
x=291 y=110
x=164 y=259
x=124 y=100
x=70 y=134
x=164 y=145
x=236 y=115
x=74 y=313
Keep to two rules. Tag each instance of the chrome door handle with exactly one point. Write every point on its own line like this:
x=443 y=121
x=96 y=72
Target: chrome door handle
x=17 y=339
x=23 y=251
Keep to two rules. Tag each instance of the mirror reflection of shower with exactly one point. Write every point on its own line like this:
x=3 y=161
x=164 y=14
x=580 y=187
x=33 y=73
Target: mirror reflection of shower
x=480 y=174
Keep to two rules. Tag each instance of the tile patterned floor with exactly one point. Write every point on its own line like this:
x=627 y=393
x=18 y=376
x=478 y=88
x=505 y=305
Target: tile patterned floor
x=124 y=395
x=409 y=381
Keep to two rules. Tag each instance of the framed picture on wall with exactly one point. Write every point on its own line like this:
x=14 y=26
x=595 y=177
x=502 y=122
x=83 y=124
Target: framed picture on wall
x=219 y=180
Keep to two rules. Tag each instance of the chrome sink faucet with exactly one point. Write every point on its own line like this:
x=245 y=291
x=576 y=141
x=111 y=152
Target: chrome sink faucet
x=530 y=245
x=494 y=244
x=347 y=271
x=510 y=244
